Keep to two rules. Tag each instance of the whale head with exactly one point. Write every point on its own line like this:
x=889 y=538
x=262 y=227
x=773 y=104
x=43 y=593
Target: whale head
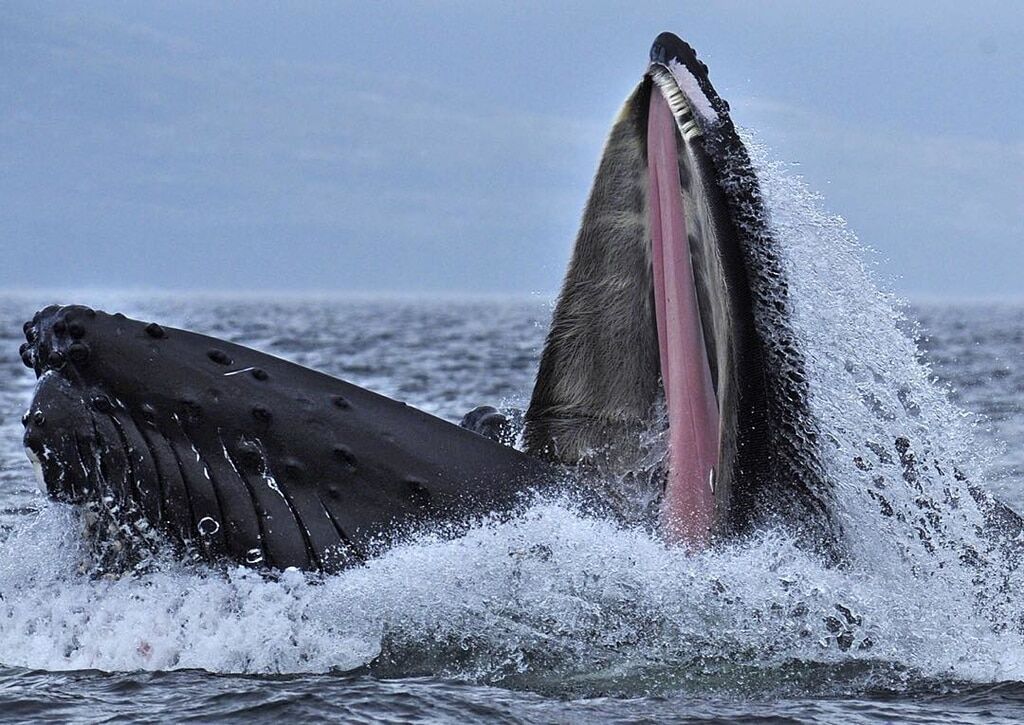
x=237 y=455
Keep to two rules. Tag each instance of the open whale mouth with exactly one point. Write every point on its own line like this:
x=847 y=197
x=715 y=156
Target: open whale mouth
x=238 y=455
x=676 y=291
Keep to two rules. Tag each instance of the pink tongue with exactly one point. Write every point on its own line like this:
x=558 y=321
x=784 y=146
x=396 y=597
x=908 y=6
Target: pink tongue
x=688 y=508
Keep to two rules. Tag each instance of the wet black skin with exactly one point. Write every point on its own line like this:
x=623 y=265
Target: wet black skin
x=194 y=435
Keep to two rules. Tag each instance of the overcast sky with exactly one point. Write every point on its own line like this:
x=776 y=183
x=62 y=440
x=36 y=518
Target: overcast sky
x=450 y=146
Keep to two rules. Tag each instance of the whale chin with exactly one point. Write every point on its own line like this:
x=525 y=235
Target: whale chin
x=239 y=456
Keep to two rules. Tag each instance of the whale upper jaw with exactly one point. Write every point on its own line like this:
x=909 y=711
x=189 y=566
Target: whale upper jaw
x=241 y=456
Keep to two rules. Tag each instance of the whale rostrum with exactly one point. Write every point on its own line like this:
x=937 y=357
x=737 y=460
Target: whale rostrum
x=243 y=456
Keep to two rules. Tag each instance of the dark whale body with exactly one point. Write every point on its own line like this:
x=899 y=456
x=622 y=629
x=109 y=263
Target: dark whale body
x=244 y=456
x=237 y=455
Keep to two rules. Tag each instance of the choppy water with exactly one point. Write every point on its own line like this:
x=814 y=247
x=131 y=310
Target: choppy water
x=552 y=616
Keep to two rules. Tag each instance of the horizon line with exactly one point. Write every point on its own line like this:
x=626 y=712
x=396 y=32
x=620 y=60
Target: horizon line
x=918 y=298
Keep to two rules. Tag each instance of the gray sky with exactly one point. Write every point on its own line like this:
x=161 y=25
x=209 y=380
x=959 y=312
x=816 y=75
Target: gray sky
x=450 y=146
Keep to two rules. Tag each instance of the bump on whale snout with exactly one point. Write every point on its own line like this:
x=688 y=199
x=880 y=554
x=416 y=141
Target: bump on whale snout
x=54 y=336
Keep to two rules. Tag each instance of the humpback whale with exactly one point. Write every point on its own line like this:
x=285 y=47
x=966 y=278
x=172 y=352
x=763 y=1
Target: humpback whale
x=675 y=299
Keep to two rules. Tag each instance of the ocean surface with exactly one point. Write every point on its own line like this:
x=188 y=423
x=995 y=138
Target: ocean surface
x=552 y=615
